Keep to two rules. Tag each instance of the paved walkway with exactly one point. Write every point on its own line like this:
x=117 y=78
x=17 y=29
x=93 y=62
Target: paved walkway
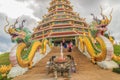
x=85 y=69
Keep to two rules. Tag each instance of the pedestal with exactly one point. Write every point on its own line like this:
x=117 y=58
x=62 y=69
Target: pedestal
x=108 y=64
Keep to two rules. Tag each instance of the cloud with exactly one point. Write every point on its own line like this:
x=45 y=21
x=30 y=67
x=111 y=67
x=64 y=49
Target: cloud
x=30 y=22
x=5 y=39
x=40 y=7
x=33 y=10
x=6 y=44
x=22 y=0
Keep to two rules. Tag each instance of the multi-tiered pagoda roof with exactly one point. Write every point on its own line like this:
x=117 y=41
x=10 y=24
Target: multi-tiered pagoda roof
x=61 y=21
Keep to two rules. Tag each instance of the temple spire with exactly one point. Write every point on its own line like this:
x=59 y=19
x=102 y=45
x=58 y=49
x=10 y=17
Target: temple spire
x=60 y=21
x=60 y=5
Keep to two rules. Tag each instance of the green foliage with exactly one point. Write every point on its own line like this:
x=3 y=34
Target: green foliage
x=4 y=59
x=117 y=49
x=116 y=70
x=5 y=78
x=0 y=77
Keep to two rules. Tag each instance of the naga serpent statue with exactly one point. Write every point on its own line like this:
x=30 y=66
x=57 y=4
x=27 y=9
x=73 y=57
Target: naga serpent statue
x=19 y=34
x=89 y=42
x=23 y=53
x=101 y=24
x=101 y=27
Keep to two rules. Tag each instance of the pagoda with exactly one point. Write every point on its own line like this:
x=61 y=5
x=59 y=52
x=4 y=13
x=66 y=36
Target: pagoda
x=60 y=22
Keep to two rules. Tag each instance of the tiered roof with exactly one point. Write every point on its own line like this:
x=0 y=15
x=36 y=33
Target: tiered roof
x=60 y=21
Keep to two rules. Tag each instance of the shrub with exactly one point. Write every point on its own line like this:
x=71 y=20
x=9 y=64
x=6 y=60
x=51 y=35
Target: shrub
x=5 y=78
x=116 y=70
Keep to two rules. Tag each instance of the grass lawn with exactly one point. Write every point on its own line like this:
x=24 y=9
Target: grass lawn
x=4 y=59
x=117 y=49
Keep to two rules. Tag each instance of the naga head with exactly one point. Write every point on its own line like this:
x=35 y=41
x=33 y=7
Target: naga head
x=101 y=24
x=15 y=33
x=105 y=20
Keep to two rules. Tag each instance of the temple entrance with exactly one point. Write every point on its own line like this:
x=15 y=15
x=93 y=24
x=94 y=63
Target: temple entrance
x=57 y=41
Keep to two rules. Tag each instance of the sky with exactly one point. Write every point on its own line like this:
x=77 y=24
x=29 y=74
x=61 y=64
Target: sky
x=33 y=10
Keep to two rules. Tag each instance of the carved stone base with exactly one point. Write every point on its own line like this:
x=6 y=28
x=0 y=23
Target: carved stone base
x=108 y=64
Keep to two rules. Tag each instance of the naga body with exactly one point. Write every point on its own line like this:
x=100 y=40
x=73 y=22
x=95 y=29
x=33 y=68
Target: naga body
x=26 y=47
x=96 y=37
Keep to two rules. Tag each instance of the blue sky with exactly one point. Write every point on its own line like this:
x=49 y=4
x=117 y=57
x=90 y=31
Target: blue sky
x=33 y=10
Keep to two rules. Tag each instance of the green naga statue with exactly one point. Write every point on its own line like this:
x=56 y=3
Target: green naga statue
x=96 y=38
x=100 y=25
x=25 y=45
x=20 y=34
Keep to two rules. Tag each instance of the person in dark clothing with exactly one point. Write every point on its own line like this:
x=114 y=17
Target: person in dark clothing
x=64 y=43
x=70 y=47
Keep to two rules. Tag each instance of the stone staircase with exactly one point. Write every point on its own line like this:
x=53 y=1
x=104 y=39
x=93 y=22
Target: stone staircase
x=85 y=69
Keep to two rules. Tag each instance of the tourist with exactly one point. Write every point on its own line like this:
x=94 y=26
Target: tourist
x=70 y=47
x=64 y=44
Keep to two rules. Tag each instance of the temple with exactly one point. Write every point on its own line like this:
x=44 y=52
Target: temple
x=38 y=49
x=60 y=22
